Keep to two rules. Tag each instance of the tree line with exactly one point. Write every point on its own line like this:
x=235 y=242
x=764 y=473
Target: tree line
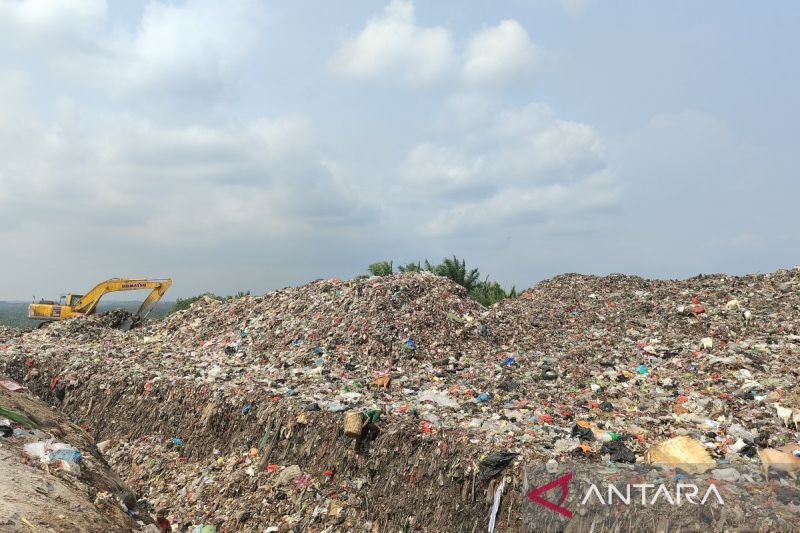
x=486 y=292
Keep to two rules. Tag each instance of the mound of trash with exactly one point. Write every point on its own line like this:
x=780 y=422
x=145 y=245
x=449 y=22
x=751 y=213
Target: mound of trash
x=397 y=403
x=363 y=318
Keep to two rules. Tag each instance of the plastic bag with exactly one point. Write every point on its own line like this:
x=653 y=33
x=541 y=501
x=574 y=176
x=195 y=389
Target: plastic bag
x=70 y=454
x=619 y=452
x=47 y=451
x=584 y=433
x=36 y=450
x=494 y=464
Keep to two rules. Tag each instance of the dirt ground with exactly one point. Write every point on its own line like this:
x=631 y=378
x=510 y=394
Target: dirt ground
x=35 y=497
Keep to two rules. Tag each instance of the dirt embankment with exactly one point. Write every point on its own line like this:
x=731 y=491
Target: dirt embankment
x=39 y=496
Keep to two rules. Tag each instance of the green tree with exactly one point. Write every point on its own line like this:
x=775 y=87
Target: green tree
x=381 y=268
x=410 y=267
x=488 y=293
x=457 y=271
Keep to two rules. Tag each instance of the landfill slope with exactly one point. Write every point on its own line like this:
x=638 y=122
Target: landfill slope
x=39 y=497
x=231 y=413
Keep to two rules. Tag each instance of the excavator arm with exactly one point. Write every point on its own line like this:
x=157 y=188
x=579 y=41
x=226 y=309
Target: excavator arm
x=87 y=304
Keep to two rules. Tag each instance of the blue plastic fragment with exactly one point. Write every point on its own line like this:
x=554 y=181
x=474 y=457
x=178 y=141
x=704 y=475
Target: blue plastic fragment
x=65 y=454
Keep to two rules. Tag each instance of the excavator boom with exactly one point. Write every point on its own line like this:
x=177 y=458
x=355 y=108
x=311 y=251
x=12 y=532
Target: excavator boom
x=86 y=304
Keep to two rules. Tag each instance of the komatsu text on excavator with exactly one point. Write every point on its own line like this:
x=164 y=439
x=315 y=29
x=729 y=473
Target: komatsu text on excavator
x=71 y=305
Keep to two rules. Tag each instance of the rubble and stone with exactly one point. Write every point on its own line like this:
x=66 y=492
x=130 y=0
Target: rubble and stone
x=231 y=413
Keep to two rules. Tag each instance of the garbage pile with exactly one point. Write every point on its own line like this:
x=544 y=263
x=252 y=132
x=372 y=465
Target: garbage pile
x=231 y=414
x=53 y=476
x=7 y=334
x=96 y=324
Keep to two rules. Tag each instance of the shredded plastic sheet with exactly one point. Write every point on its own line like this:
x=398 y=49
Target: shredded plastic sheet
x=498 y=495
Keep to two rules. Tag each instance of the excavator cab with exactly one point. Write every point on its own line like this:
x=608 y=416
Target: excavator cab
x=70 y=299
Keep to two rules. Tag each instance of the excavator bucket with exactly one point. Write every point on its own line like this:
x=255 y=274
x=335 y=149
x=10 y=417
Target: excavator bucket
x=147 y=305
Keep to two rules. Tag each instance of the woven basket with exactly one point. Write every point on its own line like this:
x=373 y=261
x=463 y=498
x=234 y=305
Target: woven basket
x=352 y=424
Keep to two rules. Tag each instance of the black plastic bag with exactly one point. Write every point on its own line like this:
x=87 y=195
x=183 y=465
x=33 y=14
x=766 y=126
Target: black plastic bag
x=619 y=452
x=494 y=464
x=583 y=433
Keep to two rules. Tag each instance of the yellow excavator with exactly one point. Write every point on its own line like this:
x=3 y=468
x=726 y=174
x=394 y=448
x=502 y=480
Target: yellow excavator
x=71 y=305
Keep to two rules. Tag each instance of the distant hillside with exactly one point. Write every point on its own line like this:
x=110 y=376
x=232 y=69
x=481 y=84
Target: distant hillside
x=15 y=314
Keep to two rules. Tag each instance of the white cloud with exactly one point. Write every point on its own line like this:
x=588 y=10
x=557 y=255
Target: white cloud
x=517 y=145
x=53 y=16
x=515 y=166
x=189 y=47
x=393 y=45
x=442 y=170
x=499 y=54
x=58 y=30
x=136 y=179
x=174 y=55
x=527 y=206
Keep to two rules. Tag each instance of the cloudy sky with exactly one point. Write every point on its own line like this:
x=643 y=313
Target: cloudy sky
x=247 y=144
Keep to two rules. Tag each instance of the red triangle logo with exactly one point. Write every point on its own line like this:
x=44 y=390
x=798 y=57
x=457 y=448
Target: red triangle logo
x=562 y=482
